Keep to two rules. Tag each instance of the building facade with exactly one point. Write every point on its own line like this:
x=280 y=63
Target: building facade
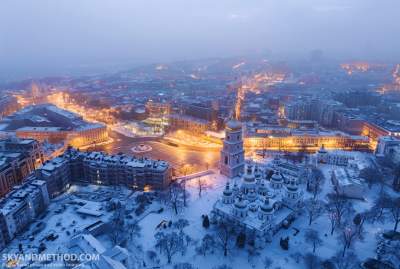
x=333 y=157
x=46 y=122
x=103 y=169
x=20 y=207
x=18 y=158
x=311 y=142
x=188 y=123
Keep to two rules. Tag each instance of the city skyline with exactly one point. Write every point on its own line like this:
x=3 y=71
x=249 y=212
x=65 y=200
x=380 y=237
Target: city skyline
x=188 y=134
x=118 y=35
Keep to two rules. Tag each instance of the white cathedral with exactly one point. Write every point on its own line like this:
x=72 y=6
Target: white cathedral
x=256 y=204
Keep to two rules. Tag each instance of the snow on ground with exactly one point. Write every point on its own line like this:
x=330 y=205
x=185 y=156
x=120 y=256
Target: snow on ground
x=62 y=216
x=239 y=258
x=63 y=220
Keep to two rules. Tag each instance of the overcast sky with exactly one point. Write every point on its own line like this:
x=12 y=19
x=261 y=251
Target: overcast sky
x=49 y=35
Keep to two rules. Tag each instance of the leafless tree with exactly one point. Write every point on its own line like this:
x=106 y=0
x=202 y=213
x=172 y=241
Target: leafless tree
x=333 y=220
x=201 y=185
x=267 y=262
x=169 y=244
x=372 y=176
x=315 y=184
x=207 y=245
x=151 y=255
x=296 y=257
x=133 y=229
x=314 y=208
x=349 y=261
x=377 y=211
x=348 y=235
x=312 y=237
x=180 y=224
x=394 y=210
x=117 y=224
x=311 y=261
x=338 y=205
x=175 y=197
x=224 y=235
x=184 y=192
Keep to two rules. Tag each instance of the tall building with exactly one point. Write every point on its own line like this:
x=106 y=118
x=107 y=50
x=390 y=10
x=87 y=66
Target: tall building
x=22 y=205
x=321 y=111
x=232 y=154
x=18 y=158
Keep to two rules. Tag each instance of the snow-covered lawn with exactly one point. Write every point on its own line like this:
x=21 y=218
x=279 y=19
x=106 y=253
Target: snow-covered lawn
x=62 y=216
x=62 y=219
x=240 y=258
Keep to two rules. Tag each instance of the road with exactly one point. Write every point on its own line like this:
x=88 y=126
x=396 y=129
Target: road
x=176 y=156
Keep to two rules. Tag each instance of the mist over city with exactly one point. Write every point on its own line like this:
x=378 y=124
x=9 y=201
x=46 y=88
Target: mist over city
x=185 y=134
x=72 y=37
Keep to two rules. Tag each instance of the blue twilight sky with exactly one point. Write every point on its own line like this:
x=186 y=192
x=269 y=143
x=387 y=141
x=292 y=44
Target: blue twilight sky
x=40 y=37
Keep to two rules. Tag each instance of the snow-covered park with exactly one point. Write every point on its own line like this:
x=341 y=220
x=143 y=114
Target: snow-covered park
x=328 y=246
x=173 y=229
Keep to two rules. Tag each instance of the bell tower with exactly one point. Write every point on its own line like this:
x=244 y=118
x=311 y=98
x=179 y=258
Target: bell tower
x=232 y=153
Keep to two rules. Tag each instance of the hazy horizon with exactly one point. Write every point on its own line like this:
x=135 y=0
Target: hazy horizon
x=45 y=37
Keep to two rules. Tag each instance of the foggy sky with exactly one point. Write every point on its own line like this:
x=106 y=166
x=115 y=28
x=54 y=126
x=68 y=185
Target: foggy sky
x=56 y=35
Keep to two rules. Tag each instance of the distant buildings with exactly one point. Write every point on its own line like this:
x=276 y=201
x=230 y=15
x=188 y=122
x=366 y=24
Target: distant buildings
x=158 y=109
x=188 y=123
x=103 y=169
x=47 y=122
x=18 y=158
x=21 y=206
x=232 y=153
x=195 y=117
x=316 y=110
x=302 y=140
x=8 y=105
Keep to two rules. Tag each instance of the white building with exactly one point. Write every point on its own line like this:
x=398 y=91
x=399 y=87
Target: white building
x=232 y=153
x=388 y=146
x=348 y=183
x=338 y=158
x=288 y=170
x=114 y=258
x=257 y=206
